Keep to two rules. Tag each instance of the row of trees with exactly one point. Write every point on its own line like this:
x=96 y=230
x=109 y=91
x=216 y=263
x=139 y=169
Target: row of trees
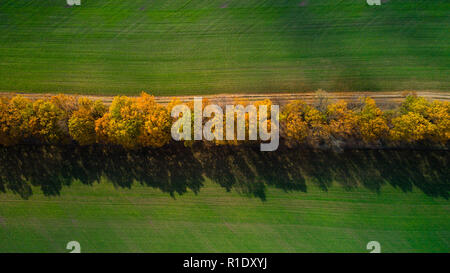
x=141 y=122
x=416 y=120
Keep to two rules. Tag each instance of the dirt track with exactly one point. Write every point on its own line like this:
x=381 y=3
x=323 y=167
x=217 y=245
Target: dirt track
x=384 y=99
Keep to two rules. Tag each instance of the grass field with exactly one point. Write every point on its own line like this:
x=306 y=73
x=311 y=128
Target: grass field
x=227 y=46
x=107 y=219
x=113 y=200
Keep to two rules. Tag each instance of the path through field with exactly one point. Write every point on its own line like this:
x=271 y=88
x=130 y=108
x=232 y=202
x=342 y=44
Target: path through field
x=383 y=99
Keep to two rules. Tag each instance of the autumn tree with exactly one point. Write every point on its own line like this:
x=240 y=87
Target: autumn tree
x=420 y=119
x=439 y=115
x=68 y=105
x=304 y=123
x=122 y=124
x=45 y=123
x=82 y=122
x=133 y=122
x=193 y=116
x=293 y=120
x=237 y=117
x=371 y=121
x=411 y=127
x=268 y=117
x=319 y=130
x=155 y=131
x=342 y=121
x=15 y=115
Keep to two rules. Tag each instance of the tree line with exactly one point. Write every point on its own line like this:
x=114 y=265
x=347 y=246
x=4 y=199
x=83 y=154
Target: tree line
x=134 y=122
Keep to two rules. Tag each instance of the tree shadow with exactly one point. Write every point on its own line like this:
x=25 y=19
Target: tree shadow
x=52 y=167
x=177 y=169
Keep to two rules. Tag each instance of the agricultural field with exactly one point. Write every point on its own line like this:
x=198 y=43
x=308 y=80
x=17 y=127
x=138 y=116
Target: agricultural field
x=103 y=218
x=179 y=201
x=180 y=47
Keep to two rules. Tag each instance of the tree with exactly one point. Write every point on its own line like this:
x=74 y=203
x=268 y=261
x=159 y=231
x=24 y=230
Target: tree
x=304 y=123
x=415 y=104
x=133 y=122
x=342 y=121
x=411 y=127
x=319 y=130
x=82 y=122
x=293 y=119
x=157 y=122
x=102 y=129
x=122 y=124
x=237 y=120
x=264 y=119
x=68 y=104
x=426 y=120
x=321 y=100
x=439 y=114
x=15 y=114
x=45 y=123
x=190 y=105
x=372 y=123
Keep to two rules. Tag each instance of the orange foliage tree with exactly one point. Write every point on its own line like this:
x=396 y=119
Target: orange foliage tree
x=15 y=115
x=304 y=123
x=155 y=131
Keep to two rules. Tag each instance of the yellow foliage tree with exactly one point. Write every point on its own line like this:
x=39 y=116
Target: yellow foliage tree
x=319 y=130
x=415 y=104
x=82 y=122
x=157 y=122
x=14 y=120
x=439 y=115
x=426 y=121
x=133 y=122
x=45 y=123
x=304 y=123
x=122 y=124
x=267 y=103
x=293 y=119
x=372 y=123
x=342 y=121
x=411 y=127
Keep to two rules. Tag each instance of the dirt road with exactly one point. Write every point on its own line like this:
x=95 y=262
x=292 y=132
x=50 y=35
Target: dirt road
x=383 y=99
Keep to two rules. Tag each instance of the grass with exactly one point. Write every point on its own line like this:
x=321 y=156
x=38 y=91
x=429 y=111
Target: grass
x=227 y=46
x=108 y=219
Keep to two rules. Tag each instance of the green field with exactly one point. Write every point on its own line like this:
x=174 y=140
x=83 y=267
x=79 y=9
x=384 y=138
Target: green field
x=179 y=200
x=227 y=46
x=106 y=219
